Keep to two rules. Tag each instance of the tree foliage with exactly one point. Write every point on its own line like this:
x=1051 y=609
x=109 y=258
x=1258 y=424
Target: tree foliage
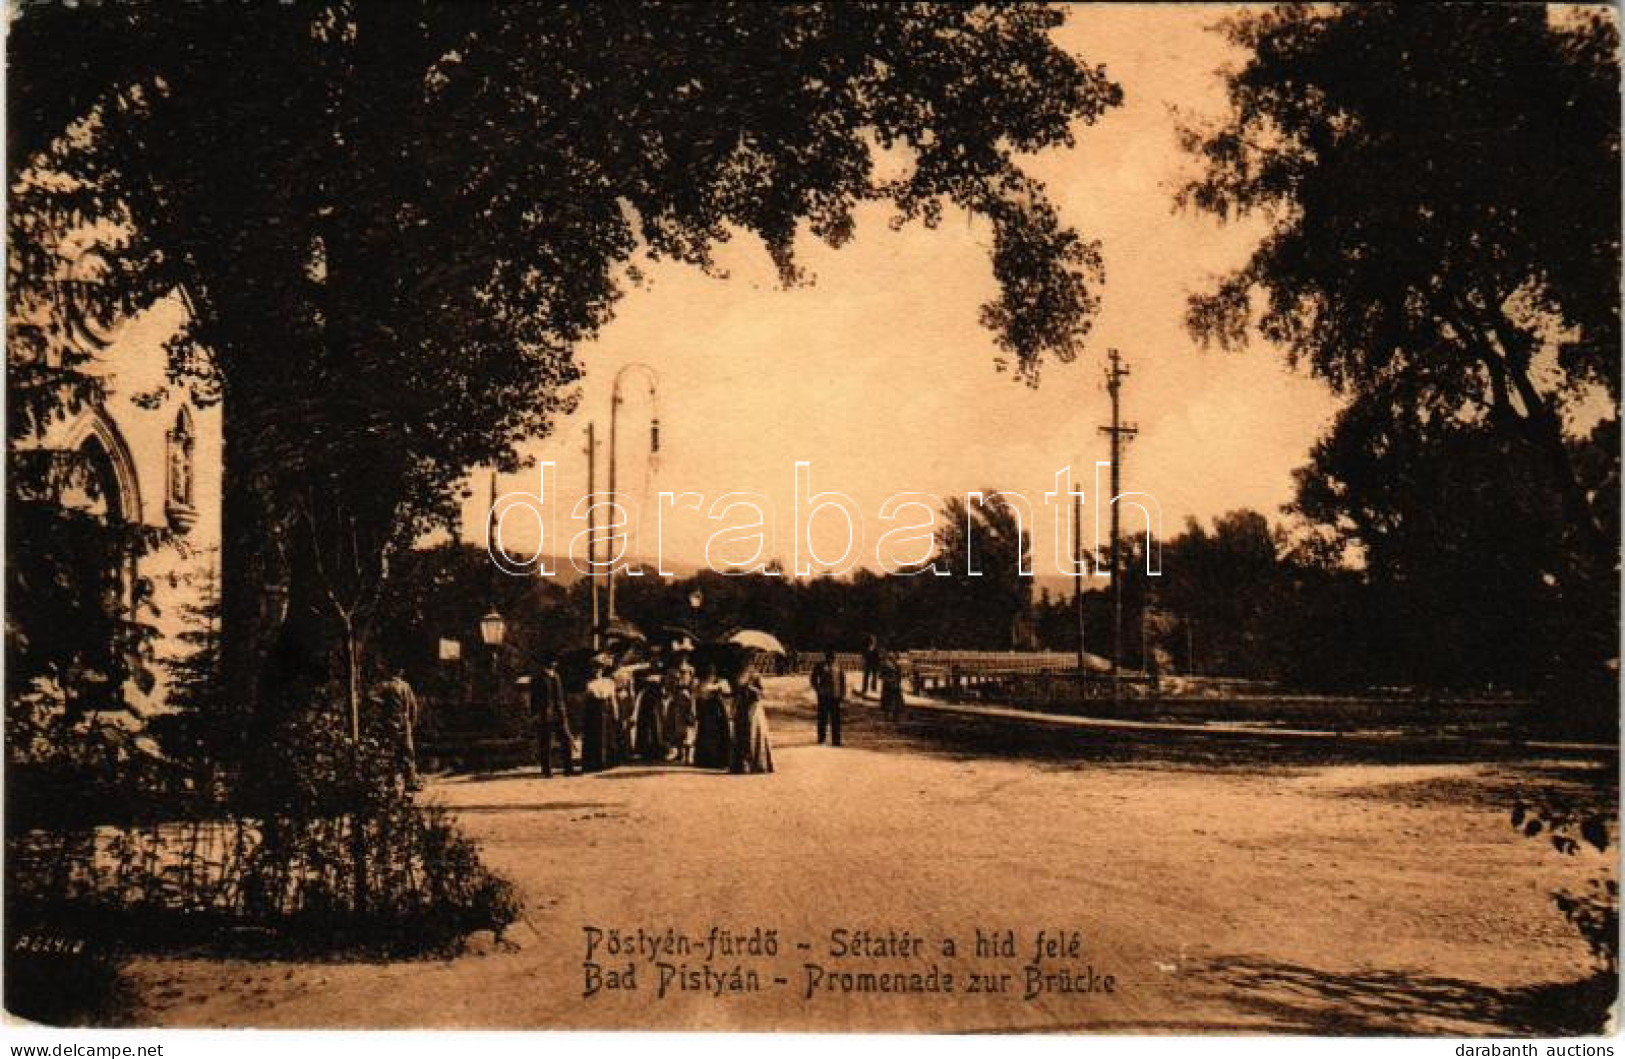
x=1441 y=188
x=1224 y=585
x=983 y=599
x=394 y=222
x=1441 y=191
x=1570 y=826
x=1461 y=548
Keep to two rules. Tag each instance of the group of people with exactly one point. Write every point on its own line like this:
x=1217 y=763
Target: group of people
x=664 y=711
x=881 y=669
x=884 y=670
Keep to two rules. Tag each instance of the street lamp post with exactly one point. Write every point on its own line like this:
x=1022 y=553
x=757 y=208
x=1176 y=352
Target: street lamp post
x=493 y=630
x=696 y=600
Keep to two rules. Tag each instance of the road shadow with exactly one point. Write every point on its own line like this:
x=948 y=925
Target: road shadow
x=624 y=773
x=453 y=777
x=534 y=807
x=1592 y=788
x=1387 y=1003
x=633 y=770
x=968 y=737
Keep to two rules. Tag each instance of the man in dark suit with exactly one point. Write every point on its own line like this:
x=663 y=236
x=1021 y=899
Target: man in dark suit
x=829 y=684
x=552 y=721
x=871 y=665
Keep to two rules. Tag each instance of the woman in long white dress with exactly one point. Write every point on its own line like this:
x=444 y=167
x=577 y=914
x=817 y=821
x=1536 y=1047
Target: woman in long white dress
x=753 y=745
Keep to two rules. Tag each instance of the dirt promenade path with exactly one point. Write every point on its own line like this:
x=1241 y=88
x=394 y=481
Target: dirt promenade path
x=1265 y=898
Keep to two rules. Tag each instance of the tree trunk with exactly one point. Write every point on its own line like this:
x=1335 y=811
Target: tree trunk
x=1541 y=427
x=249 y=562
x=358 y=816
x=352 y=677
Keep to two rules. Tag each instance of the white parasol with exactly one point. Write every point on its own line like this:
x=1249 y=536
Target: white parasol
x=759 y=640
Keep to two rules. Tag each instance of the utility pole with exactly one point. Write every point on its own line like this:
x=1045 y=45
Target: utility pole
x=493 y=540
x=615 y=497
x=1077 y=584
x=491 y=537
x=1119 y=432
x=592 y=531
x=615 y=400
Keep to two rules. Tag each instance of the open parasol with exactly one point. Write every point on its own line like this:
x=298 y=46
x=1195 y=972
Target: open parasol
x=758 y=640
x=621 y=629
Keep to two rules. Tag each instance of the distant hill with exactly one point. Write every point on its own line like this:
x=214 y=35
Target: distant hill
x=1059 y=585
x=566 y=574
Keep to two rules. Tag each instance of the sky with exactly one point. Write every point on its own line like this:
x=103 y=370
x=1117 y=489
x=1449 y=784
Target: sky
x=879 y=376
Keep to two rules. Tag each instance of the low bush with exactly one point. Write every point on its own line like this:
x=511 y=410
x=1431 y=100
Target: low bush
x=327 y=855
x=399 y=882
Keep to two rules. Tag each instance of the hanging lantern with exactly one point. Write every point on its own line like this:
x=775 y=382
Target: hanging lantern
x=493 y=629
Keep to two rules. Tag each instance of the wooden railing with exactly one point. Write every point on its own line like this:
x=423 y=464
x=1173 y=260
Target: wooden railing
x=1032 y=685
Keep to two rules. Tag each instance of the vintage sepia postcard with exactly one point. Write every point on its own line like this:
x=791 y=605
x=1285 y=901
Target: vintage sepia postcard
x=836 y=517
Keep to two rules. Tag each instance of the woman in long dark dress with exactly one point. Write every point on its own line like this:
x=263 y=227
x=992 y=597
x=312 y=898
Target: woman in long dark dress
x=677 y=685
x=649 y=725
x=713 y=742
x=598 y=718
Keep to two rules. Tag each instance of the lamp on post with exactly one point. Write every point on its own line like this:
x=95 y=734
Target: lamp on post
x=696 y=600
x=493 y=630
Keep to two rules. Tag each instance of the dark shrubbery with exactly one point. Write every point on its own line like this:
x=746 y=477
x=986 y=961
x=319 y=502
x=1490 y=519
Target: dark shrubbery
x=328 y=858
x=329 y=851
x=281 y=884
x=77 y=986
x=1569 y=827
x=67 y=773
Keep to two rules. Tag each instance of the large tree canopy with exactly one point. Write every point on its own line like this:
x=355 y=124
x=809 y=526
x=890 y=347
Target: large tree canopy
x=1461 y=546
x=987 y=606
x=1441 y=188
x=450 y=188
x=393 y=222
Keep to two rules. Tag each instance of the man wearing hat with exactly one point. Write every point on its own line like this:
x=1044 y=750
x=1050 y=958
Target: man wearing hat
x=552 y=721
x=677 y=687
x=400 y=710
x=829 y=684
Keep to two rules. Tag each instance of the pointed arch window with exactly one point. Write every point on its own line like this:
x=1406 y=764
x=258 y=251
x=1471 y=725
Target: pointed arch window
x=180 y=502
x=105 y=486
x=99 y=492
